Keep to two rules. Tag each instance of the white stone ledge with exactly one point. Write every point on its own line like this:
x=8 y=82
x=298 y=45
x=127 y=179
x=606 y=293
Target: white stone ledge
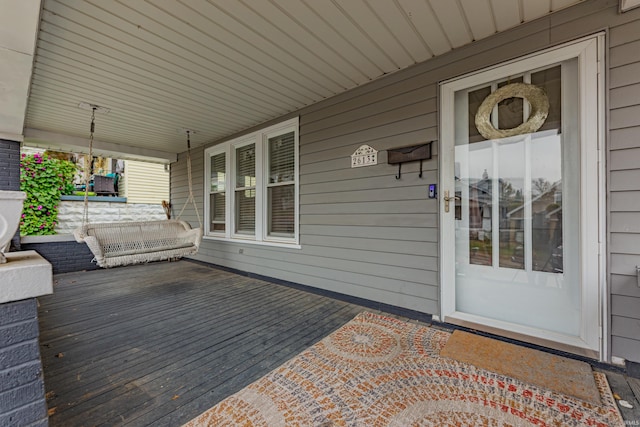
x=71 y=214
x=25 y=275
x=48 y=239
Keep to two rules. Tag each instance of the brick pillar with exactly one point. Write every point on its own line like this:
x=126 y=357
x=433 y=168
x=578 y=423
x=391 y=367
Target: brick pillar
x=10 y=174
x=22 y=399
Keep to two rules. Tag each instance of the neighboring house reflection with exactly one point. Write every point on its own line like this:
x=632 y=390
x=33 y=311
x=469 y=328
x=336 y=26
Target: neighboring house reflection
x=546 y=224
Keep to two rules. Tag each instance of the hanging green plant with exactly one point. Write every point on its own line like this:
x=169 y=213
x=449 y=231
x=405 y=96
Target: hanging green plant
x=44 y=179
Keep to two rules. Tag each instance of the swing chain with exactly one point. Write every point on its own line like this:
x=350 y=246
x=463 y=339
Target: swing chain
x=87 y=169
x=191 y=197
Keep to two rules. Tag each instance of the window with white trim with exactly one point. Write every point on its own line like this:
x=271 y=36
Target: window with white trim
x=251 y=188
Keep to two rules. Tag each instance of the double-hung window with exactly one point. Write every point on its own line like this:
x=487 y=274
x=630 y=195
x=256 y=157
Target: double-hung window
x=251 y=193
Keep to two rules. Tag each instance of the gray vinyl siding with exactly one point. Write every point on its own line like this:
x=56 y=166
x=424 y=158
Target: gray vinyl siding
x=624 y=185
x=366 y=234
x=362 y=232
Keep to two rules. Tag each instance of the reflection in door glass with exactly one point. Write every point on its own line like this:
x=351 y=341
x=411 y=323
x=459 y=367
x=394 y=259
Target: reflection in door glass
x=511 y=162
x=480 y=219
x=479 y=187
x=546 y=180
x=546 y=207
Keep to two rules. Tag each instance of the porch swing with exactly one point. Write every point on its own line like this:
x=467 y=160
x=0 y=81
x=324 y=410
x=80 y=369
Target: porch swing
x=136 y=242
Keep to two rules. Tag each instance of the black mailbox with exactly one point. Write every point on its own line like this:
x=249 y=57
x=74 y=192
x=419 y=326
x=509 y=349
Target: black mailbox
x=409 y=154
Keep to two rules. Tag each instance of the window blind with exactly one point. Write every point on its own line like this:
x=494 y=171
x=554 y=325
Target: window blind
x=245 y=200
x=218 y=173
x=217 y=211
x=281 y=187
x=217 y=197
x=282 y=210
x=282 y=158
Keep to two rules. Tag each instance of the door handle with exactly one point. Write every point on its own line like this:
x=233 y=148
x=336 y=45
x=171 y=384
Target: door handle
x=447 y=199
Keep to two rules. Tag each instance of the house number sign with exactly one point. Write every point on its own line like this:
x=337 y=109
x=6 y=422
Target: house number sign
x=364 y=156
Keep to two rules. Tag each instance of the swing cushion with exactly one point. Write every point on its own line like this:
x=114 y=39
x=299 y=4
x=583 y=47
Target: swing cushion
x=124 y=243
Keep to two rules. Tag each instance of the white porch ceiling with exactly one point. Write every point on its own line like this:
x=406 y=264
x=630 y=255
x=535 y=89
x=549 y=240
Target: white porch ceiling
x=221 y=66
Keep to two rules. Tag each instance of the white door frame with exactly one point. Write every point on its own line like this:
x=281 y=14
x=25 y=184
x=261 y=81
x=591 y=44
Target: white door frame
x=592 y=342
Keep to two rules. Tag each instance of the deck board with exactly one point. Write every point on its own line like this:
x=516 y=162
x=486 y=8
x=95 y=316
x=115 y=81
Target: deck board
x=158 y=344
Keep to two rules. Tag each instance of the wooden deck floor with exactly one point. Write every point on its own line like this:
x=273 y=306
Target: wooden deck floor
x=158 y=344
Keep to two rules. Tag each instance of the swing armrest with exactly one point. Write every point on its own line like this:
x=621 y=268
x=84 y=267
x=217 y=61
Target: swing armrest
x=79 y=234
x=193 y=235
x=94 y=246
x=92 y=243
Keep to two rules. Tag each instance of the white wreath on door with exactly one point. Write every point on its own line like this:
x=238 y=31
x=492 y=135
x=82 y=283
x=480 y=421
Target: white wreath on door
x=535 y=96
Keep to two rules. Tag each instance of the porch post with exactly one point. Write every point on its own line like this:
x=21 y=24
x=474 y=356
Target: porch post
x=25 y=277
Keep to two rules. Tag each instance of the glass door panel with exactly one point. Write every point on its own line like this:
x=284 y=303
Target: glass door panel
x=516 y=223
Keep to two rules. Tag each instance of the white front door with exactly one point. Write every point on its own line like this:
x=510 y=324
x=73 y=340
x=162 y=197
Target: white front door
x=521 y=223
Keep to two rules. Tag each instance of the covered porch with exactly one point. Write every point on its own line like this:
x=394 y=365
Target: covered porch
x=277 y=97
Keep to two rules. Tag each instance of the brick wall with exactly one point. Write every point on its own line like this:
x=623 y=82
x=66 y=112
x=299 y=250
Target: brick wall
x=9 y=165
x=65 y=257
x=10 y=173
x=22 y=399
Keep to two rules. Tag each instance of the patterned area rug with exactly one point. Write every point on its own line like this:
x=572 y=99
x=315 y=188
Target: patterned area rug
x=380 y=371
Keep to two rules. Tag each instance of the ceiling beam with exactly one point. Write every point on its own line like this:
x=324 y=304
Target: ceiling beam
x=18 y=31
x=60 y=142
x=12 y=136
